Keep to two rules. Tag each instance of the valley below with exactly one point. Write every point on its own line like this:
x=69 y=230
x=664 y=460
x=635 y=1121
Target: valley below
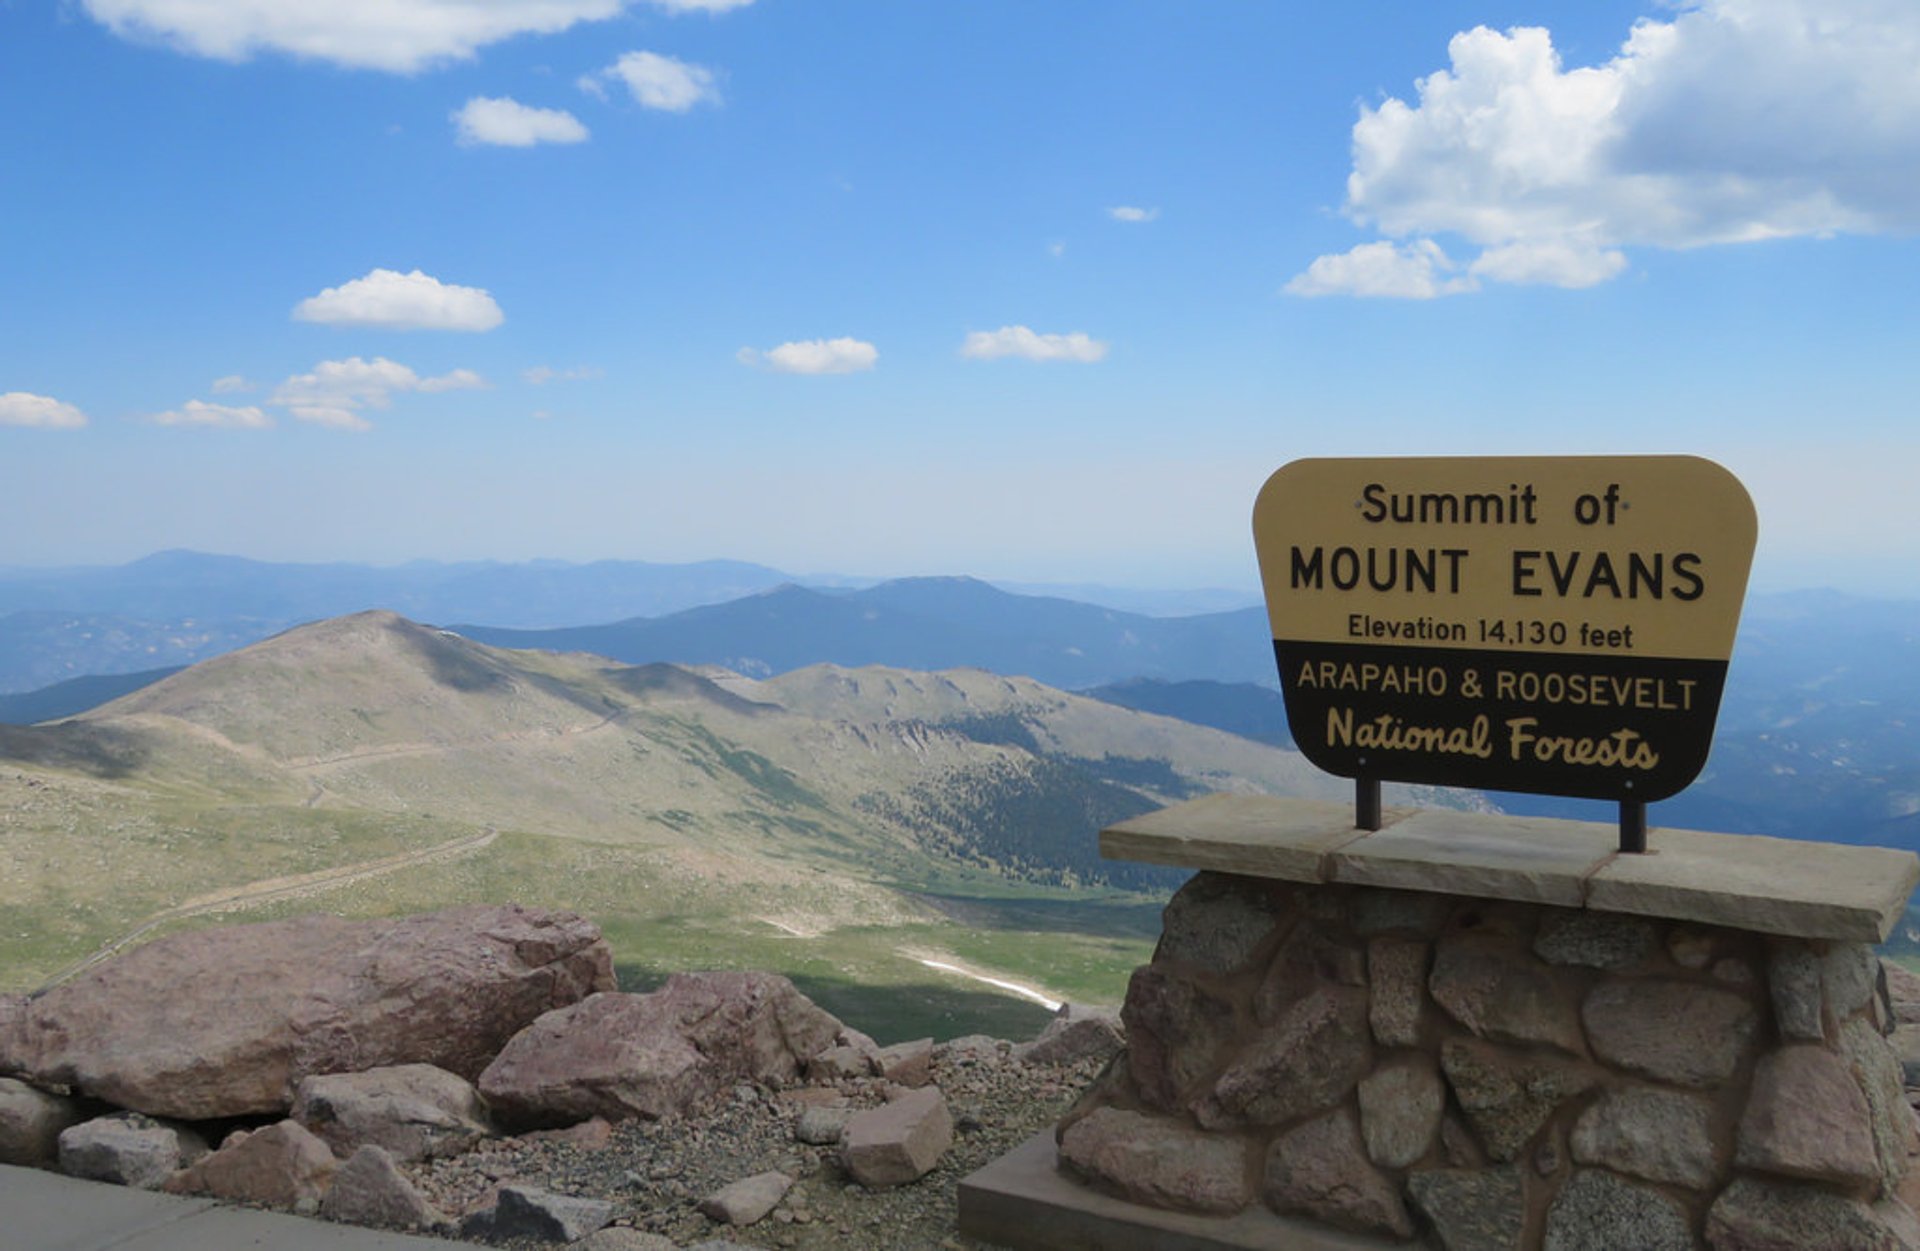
x=915 y=850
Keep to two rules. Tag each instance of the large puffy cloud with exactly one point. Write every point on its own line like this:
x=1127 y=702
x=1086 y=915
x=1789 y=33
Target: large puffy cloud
x=1737 y=120
x=397 y=35
x=389 y=300
x=658 y=82
x=218 y=416
x=507 y=123
x=336 y=393
x=1019 y=341
x=22 y=408
x=814 y=356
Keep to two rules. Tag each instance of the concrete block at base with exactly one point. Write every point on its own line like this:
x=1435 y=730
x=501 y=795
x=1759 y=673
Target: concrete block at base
x=1529 y=859
x=1752 y=882
x=1023 y=1201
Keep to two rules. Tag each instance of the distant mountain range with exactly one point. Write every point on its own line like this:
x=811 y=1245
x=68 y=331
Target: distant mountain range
x=174 y=608
x=1819 y=733
x=926 y=623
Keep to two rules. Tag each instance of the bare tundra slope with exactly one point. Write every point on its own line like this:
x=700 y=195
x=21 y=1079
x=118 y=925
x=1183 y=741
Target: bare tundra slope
x=843 y=826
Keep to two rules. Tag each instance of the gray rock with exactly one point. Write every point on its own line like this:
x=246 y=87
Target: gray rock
x=1397 y=970
x=1692 y=948
x=1175 y=1030
x=1158 y=1162
x=1471 y=1209
x=1320 y=1169
x=1806 y=1118
x=1076 y=1032
x=1218 y=922
x=1876 y=1071
x=413 y=1111
x=661 y=1054
x=1400 y=1106
x=1757 y=1215
x=900 y=1141
x=31 y=1121
x=1793 y=979
x=1733 y=971
x=1903 y=992
x=127 y=1148
x=1304 y=1063
x=822 y=1126
x=1905 y=1042
x=370 y=1189
x=1508 y=1096
x=1377 y=910
x=971 y=1050
x=1306 y=959
x=1502 y=994
x=226 y=1021
x=1595 y=940
x=281 y=1165
x=1596 y=1211
x=1849 y=976
x=622 y=1238
x=1660 y=1135
x=842 y=1062
x=748 y=1200
x=1676 y=1032
x=907 y=1063
x=523 y=1212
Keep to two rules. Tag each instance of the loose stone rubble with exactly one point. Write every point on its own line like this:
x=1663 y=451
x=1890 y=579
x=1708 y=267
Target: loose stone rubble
x=1506 y=1075
x=721 y=1106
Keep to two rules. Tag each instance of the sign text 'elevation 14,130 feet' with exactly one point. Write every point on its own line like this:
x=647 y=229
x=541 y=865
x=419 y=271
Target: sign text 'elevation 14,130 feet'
x=1558 y=625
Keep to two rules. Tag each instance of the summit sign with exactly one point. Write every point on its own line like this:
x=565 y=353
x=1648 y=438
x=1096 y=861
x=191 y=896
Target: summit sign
x=1558 y=625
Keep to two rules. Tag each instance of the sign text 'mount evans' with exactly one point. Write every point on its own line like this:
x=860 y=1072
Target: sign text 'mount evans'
x=1550 y=624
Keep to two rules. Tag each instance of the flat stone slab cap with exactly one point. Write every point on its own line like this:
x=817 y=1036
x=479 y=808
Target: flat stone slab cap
x=1254 y=834
x=1023 y=1201
x=1745 y=881
x=1773 y=885
x=1530 y=859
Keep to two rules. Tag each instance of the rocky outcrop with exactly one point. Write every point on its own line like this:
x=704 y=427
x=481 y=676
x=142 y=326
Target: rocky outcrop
x=31 y=1122
x=127 y=1149
x=227 y=1021
x=656 y=1055
x=281 y=1165
x=898 y=1142
x=1505 y=1075
x=413 y=1111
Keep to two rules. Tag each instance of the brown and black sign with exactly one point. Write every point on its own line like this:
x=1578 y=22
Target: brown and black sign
x=1558 y=625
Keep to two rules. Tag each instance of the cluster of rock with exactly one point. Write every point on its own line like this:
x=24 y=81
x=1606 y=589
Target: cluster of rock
x=1488 y=1075
x=323 y=1055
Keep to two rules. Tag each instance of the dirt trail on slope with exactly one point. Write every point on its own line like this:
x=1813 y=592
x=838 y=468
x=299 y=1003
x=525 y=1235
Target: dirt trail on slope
x=276 y=889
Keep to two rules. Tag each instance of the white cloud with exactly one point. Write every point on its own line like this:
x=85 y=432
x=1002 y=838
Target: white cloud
x=1129 y=213
x=335 y=393
x=1418 y=271
x=658 y=82
x=1019 y=341
x=21 y=408
x=401 y=36
x=231 y=383
x=814 y=356
x=222 y=416
x=390 y=300
x=1735 y=121
x=699 y=6
x=541 y=375
x=1056 y=250
x=506 y=123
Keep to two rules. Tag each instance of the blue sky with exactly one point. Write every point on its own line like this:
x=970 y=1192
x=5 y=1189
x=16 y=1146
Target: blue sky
x=1029 y=291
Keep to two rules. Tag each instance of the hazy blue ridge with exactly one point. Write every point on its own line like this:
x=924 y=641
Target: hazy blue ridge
x=76 y=695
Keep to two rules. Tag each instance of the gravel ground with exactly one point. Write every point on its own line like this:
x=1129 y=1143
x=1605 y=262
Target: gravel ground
x=656 y=1173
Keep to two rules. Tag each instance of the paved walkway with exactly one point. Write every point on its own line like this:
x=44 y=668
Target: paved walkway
x=41 y=1211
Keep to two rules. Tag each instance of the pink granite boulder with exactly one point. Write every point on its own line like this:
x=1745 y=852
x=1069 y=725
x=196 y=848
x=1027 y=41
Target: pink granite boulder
x=656 y=1055
x=227 y=1021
